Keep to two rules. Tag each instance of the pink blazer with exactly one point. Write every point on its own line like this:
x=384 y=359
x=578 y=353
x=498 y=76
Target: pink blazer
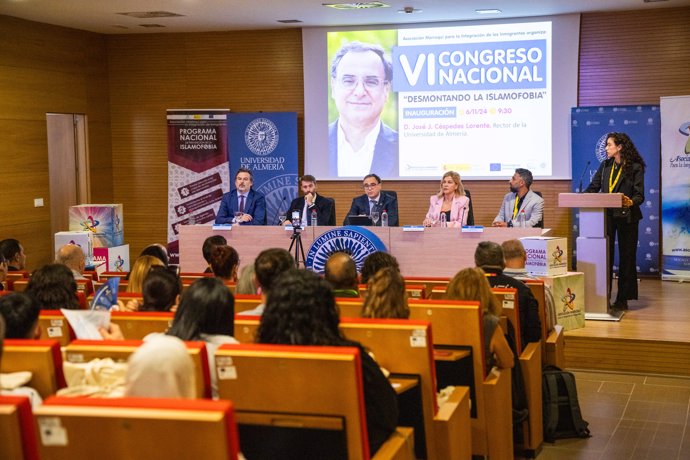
x=458 y=211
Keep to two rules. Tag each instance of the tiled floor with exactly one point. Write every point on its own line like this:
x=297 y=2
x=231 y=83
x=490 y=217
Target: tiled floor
x=631 y=416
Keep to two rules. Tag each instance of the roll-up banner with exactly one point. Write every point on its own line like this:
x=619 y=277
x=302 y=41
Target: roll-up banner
x=589 y=127
x=198 y=173
x=675 y=173
x=266 y=144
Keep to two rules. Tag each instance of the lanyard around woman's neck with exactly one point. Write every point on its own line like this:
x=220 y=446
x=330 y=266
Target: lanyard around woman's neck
x=612 y=181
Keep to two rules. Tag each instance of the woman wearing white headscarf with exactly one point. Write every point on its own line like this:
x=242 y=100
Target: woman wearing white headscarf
x=161 y=368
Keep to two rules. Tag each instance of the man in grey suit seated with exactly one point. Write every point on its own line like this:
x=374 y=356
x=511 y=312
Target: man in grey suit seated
x=520 y=200
x=374 y=200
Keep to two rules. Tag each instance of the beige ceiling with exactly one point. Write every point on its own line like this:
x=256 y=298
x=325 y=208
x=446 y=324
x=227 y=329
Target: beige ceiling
x=218 y=15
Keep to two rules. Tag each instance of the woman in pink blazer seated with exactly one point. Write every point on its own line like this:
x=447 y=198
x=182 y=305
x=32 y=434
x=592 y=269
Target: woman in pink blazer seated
x=450 y=200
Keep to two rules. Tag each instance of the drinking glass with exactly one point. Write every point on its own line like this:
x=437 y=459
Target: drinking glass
x=238 y=216
x=374 y=216
x=282 y=218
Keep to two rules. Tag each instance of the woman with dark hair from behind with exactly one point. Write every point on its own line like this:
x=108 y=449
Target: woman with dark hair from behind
x=386 y=296
x=207 y=313
x=224 y=262
x=158 y=251
x=161 y=290
x=301 y=310
x=54 y=287
x=375 y=262
x=471 y=284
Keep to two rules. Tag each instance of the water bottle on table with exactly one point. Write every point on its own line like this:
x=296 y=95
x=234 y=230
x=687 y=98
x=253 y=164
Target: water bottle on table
x=314 y=218
x=522 y=219
x=442 y=219
x=384 y=219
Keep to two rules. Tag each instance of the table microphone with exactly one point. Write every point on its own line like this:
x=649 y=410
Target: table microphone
x=583 y=175
x=280 y=205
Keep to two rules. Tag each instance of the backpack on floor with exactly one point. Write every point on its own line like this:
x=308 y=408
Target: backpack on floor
x=561 y=409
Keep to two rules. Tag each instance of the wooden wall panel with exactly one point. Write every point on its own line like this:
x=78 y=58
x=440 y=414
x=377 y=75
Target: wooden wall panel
x=634 y=57
x=43 y=69
x=243 y=71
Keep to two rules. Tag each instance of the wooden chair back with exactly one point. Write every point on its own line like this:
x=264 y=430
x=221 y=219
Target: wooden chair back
x=349 y=307
x=138 y=324
x=508 y=299
x=17 y=431
x=54 y=326
x=305 y=384
x=40 y=357
x=244 y=302
x=83 y=351
x=73 y=428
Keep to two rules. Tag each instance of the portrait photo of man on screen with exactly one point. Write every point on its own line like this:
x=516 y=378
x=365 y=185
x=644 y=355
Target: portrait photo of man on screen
x=359 y=142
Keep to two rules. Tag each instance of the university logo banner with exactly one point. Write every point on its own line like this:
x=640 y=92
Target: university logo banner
x=675 y=171
x=197 y=169
x=589 y=127
x=266 y=144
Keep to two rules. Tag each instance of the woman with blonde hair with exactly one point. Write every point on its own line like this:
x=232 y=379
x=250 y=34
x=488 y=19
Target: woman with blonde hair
x=471 y=284
x=386 y=296
x=450 y=201
x=139 y=271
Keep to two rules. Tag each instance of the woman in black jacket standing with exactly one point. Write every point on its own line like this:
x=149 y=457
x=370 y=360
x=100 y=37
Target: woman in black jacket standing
x=622 y=172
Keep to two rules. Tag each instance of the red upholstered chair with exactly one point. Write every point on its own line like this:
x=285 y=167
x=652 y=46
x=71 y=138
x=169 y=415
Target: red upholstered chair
x=17 y=431
x=134 y=428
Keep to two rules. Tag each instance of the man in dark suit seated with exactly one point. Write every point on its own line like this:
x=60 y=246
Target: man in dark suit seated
x=242 y=199
x=310 y=201
x=374 y=200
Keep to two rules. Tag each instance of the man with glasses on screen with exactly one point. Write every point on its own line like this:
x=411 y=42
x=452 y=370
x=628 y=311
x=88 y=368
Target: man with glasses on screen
x=376 y=201
x=358 y=141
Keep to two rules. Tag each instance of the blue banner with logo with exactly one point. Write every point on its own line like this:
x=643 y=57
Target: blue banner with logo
x=675 y=203
x=266 y=144
x=589 y=127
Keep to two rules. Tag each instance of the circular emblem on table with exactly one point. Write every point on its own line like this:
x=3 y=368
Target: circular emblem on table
x=600 y=149
x=261 y=136
x=358 y=242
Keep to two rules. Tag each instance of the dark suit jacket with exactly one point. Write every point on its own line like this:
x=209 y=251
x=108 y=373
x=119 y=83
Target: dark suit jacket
x=385 y=161
x=325 y=209
x=360 y=206
x=254 y=204
x=631 y=186
x=530 y=324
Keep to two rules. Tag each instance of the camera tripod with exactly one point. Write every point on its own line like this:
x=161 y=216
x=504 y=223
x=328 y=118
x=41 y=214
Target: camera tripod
x=296 y=243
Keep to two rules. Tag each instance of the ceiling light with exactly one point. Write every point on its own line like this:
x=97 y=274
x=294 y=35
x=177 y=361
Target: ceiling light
x=488 y=11
x=409 y=10
x=356 y=5
x=289 y=21
x=151 y=14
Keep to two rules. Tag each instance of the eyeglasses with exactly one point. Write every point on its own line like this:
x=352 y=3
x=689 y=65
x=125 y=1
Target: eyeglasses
x=370 y=185
x=349 y=82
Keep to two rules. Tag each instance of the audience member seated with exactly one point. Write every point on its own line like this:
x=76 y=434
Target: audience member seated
x=268 y=265
x=341 y=273
x=386 y=296
x=160 y=368
x=246 y=282
x=13 y=384
x=489 y=257
x=207 y=248
x=13 y=252
x=3 y=273
x=139 y=271
x=515 y=258
x=206 y=312
x=450 y=201
x=20 y=312
x=471 y=284
x=158 y=251
x=301 y=310
x=375 y=262
x=72 y=257
x=224 y=262
x=54 y=287
x=161 y=290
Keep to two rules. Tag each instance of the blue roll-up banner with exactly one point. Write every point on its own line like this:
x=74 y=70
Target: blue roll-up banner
x=266 y=144
x=589 y=127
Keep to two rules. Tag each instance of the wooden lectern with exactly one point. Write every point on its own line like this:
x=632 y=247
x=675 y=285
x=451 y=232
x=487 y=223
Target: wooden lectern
x=592 y=249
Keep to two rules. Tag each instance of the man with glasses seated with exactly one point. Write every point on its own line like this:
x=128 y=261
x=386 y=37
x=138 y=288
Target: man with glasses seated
x=374 y=200
x=358 y=141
